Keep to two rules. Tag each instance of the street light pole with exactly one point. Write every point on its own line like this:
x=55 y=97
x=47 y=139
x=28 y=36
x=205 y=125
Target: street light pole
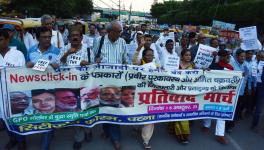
x=119 y=10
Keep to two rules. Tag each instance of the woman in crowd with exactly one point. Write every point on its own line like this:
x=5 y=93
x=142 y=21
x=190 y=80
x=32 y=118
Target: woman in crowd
x=181 y=128
x=147 y=62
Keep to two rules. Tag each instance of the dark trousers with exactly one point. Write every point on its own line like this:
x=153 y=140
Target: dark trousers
x=259 y=104
x=239 y=108
x=113 y=131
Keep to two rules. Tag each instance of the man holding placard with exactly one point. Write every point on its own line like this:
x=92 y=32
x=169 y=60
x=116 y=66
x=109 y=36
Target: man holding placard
x=44 y=53
x=76 y=53
x=170 y=59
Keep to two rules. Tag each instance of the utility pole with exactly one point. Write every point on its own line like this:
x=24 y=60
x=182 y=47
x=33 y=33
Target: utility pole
x=119 y=10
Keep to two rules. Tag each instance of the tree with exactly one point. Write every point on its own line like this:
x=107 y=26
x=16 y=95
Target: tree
x=64 y=9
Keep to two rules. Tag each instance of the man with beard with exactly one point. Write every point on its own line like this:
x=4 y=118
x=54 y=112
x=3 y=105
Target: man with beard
x=66 y=100
x=89 y=97
x=110 y=96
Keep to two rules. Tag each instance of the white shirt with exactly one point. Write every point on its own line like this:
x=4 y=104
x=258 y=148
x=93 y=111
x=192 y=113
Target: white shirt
x=29 y=40
x=76 y=58
x=13 y=58
x=57 y=39
x=170 y=61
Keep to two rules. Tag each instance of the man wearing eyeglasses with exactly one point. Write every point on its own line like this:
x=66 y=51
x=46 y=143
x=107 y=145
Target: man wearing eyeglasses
x=19 y=102
x=43 y=50
x=56 y=40
x=110 y=96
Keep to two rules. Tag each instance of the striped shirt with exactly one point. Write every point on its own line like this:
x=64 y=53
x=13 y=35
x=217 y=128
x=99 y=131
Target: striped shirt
x=113 y=53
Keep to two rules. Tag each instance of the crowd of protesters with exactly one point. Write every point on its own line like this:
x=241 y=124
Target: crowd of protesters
x=56 y=42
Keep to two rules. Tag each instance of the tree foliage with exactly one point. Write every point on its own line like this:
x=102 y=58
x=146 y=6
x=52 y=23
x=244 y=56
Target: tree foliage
x=202 y=12
x=64 y=9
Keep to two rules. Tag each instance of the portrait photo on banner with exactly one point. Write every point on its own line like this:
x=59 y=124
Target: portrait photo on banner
x=89 y=97
x=117 y=96
x=67 y=100
x=20 y=103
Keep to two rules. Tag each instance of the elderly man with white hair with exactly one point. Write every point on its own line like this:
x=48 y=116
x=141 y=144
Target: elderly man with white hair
x=111 y=49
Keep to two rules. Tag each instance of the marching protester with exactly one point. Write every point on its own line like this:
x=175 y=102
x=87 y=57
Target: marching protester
x=56 y=39
x=63 y=31
x=192 y=40
x=259 y=91
x=200 y=40
x=181 y=128
x=111 y=49
x=146 y=43
x=147 y=62
x=90 y=38
x=161 y=82
x=76 y=54
x=44 y=50
x=169 y=58
x=239 y=65
x=183 y=45
x=13 y=42
x=250 y=91
x=223 y=64
x=11 y=57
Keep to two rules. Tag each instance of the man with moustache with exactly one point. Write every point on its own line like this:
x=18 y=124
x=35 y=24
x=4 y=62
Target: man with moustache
x=66 y=100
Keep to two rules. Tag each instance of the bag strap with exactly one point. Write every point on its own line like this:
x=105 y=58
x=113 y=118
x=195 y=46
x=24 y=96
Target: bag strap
x=100 y=47
x=89 y=55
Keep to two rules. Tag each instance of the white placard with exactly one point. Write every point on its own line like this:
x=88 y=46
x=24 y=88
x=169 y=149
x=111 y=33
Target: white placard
x=204 y=56
x=41 y=65
x=171 y=62
x=131 y=48
x=74 y=60
x=249 y=38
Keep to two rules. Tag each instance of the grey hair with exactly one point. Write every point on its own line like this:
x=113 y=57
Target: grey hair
x=45 y=17
x=109 y=26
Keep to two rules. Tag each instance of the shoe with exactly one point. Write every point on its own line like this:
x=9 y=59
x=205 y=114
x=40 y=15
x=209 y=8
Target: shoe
x=77 y=145
x=185 y=141
x=147 y=145
x=205 y=130
x=11 y=144
x=88 y=137
x=117 y=145
x=221 y=139
x=22 y=146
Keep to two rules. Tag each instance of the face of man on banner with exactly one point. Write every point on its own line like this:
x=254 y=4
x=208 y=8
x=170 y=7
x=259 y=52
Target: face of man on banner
x=89 y=97
x=19 y=102
x=43 y=101
x=127 y=96
x=66 y=100
x=110 y=96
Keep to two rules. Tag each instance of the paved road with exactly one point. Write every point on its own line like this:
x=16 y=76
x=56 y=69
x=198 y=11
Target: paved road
x=242 y=138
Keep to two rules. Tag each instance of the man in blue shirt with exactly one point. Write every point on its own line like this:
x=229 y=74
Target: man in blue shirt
x=44 y=50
